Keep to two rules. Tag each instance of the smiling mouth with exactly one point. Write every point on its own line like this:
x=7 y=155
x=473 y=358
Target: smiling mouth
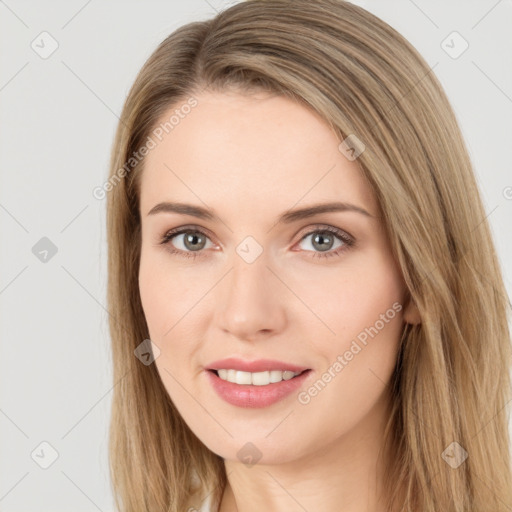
x=263 y=378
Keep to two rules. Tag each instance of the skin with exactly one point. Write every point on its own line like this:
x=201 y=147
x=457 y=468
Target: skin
x=250 y=158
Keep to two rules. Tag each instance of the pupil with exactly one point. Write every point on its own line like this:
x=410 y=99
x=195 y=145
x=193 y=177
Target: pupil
x=322 y=241
x=191 y=240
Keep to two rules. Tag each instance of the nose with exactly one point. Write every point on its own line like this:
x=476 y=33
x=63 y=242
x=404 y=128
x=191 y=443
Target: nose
x=251 y=301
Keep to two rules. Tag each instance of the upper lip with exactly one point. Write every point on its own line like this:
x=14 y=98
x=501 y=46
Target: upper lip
x=260 y=365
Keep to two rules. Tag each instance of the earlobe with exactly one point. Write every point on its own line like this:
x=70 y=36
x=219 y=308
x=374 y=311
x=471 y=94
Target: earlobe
x=411 y=313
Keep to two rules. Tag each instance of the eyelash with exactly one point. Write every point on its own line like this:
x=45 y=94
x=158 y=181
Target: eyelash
x=347 y=240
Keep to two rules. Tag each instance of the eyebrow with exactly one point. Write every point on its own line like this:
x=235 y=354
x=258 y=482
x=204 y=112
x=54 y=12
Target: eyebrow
x=287 y=217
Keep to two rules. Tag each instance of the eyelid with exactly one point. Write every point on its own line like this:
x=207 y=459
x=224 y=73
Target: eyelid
x=307 y=230
x=326 y=227
x=188 y=227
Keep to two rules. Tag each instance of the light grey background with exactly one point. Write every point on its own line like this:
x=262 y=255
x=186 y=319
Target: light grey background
x=58 y=116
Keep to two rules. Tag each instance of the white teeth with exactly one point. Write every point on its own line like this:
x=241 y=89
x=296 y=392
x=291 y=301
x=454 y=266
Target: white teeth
x=257 y=378
x=243 y=377
x=276 y=376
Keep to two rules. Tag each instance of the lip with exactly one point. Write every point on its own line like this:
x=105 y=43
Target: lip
x=251 y=396
x=260 y=365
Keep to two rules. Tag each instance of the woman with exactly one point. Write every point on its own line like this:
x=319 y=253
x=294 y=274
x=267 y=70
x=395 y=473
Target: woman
x=300 y=262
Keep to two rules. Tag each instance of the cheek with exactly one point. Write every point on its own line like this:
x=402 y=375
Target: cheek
x=374 y=304
x=168 y=296
x=353 y=299
x=152 y=293
x=164 y=297
x=362 y=308
x=160 y=298
x=166 y=293
x=365 y=312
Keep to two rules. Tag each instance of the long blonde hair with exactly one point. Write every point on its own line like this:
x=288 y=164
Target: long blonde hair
x=452 y=381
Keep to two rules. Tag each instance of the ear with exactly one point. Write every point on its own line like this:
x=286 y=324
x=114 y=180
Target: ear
x=411 y=312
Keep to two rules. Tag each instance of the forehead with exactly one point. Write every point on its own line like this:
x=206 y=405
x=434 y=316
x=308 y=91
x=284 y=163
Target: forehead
x=234 y=151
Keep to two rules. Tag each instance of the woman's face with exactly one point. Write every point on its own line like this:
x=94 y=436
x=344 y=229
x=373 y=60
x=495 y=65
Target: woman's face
x=254 y=281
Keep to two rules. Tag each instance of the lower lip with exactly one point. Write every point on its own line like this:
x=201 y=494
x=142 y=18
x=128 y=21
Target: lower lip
x=248 y=395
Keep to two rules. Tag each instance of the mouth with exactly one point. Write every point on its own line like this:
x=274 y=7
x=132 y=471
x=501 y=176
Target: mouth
x=258 y=389
x=263 y=378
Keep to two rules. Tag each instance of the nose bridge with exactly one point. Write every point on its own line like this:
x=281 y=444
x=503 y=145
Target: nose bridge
x=248 y=282
x=249 y=275
x=250 y=301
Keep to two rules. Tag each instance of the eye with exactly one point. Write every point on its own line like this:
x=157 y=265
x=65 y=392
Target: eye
x=192 y=243
x=323 y=240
